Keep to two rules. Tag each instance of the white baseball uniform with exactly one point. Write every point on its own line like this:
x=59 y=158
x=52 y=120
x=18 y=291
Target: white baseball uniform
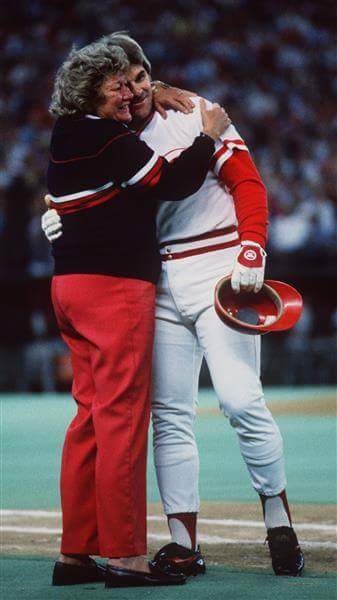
x=199 y=242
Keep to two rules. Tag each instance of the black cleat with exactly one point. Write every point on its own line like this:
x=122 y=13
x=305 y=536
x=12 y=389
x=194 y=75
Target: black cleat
x=286 y=555
x=90 y=572
x=174 y=558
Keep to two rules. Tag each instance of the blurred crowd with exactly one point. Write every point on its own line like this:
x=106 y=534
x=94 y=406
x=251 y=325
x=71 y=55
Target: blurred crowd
x=271 y=66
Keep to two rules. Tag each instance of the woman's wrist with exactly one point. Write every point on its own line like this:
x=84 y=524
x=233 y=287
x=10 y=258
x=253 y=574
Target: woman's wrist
x=211 y=134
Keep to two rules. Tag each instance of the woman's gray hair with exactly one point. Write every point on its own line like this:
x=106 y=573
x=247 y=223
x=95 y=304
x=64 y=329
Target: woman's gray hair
x=79 y=79
x=132 y=49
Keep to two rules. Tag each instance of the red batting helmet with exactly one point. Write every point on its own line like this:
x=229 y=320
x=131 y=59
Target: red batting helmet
x=276 y=307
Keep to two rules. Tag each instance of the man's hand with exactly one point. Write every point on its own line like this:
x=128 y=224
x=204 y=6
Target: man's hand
x=248 y=272
x=165 y=97
x=51 y=224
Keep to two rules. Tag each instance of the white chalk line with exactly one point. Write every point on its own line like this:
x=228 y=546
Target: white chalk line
x=16 y=529
x=255 y=524
x=214 y=539
x=202 y=538
x=29 y=513
x=158 y=518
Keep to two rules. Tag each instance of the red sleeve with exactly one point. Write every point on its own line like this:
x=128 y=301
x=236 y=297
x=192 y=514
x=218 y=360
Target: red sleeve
x=244 y=183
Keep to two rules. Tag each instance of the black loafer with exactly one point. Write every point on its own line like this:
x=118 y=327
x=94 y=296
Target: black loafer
x=65 y=574
x=118 y=577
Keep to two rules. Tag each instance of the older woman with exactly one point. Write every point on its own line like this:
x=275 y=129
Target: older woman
x=106 y=184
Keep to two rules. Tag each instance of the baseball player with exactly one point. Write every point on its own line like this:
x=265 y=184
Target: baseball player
x=219 y=230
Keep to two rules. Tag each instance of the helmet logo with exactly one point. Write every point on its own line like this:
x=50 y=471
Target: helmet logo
x=250 y=255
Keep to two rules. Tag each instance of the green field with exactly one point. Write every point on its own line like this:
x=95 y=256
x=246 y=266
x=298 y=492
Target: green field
x=29 y=579
x=33 y=428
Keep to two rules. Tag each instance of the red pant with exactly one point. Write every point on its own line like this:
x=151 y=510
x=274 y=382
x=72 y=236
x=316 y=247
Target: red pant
x=108 y=324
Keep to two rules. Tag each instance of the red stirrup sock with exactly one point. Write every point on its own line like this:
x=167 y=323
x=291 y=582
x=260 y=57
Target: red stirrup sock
x=276 y=510
x=183 y=528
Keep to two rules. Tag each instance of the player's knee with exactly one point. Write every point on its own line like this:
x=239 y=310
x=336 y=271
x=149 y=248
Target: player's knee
x=234 y=405
x=172 y=435
x=242 y=406
x=253 y=421
x=242 y=396
x=175 y=455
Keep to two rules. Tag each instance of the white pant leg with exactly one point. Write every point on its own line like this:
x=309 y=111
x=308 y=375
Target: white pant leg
x=233 y=359
x=176 y=368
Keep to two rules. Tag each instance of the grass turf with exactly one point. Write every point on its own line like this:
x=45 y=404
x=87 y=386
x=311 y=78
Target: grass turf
x=29 y=579
x=33 y=430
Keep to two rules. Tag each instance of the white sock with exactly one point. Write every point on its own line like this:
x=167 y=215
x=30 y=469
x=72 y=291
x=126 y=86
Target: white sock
x=275 y=514
x=179 y=533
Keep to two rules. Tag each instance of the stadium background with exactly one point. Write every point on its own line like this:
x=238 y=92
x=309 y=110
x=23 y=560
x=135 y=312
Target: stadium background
x=272 y=66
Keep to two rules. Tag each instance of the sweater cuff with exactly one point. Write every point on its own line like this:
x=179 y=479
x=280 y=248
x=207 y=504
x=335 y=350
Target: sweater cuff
x=206 y=139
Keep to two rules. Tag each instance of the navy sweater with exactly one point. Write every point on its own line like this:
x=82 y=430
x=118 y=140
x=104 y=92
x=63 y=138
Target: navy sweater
x=106 y=183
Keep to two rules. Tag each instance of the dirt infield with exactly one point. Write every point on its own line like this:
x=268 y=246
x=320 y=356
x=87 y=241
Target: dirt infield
x=309 y=406
x=230 y=534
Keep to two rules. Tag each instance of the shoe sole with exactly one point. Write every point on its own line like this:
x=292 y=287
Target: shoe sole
x=120 y=584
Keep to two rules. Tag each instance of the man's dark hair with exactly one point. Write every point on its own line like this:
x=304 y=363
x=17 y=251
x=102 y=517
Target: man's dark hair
x=132 y=49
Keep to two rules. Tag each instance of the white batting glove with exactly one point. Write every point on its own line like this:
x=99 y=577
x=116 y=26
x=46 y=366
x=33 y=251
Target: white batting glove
x=51 y=224
x=248 y=272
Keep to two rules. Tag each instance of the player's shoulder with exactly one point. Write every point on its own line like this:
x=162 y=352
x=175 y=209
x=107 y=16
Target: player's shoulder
x=197 y=99
x=193 y=121
x=186 y=120
x=231 y=132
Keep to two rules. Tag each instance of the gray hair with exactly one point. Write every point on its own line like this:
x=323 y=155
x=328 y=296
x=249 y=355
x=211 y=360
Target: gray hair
x=132 y=49
x=79 y=79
